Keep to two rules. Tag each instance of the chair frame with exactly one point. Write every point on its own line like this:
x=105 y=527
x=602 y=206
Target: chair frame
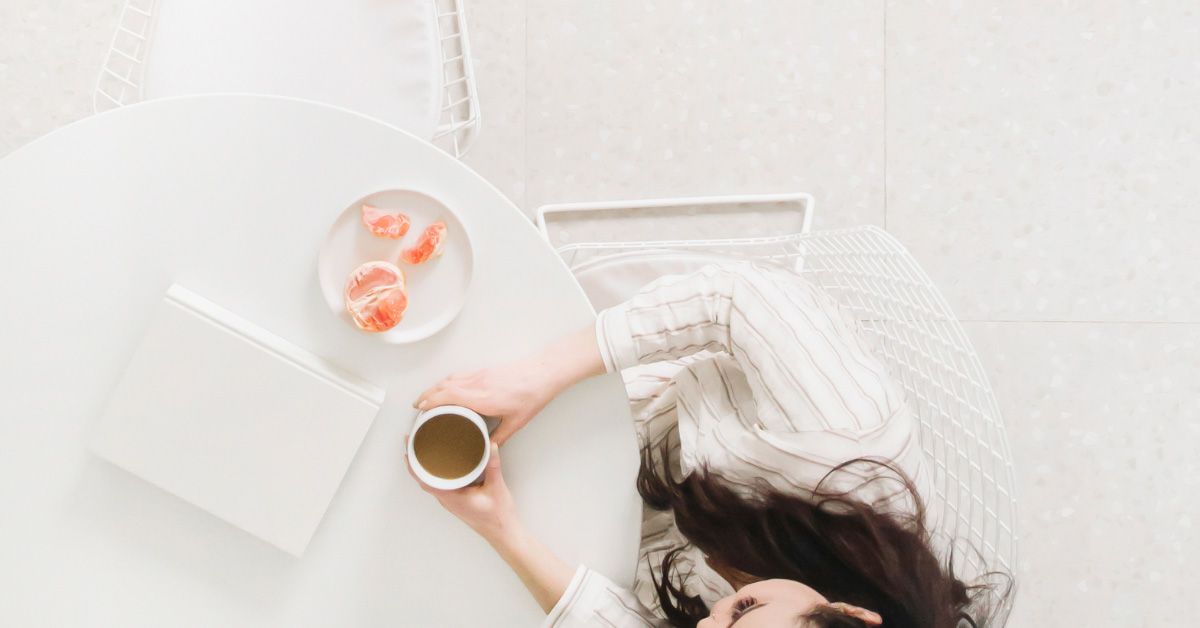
x=120 y=81
x=914 y=331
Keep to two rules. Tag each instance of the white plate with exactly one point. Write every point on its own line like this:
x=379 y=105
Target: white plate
x=436 y=289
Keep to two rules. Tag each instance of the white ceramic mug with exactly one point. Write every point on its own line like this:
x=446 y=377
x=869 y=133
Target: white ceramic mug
x=459 y=482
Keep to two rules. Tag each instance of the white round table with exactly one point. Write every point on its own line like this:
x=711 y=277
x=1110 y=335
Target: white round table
x=231 y=196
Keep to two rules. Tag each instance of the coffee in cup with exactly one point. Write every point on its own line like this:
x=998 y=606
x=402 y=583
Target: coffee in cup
x=448 y=447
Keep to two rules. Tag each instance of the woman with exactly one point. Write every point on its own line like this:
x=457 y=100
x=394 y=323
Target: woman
x=781 y=471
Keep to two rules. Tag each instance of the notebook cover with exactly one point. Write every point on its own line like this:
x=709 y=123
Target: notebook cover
x=236 y=420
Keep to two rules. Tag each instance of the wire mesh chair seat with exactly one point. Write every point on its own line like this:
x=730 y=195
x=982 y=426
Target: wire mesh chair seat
x=927 y=352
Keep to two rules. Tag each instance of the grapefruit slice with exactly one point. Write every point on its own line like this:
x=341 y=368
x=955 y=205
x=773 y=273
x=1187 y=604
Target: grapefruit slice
x=384 y=223
x=376 y=296
x=428 y=246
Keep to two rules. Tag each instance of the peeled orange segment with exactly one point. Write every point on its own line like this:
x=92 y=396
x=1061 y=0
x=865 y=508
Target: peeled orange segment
x=376 y=296
x=428 y=246
x=384 y=223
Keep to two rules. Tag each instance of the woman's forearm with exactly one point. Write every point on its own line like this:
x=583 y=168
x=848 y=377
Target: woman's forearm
x=545 y=575
x=564 y=363
x=570 y=359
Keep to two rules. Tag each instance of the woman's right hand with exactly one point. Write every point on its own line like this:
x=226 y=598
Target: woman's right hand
x=512 y=392
x=487 y=508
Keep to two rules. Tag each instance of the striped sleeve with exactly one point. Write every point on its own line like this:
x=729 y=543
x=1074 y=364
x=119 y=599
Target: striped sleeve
x=593 y=600
x=793 y=391
x=670 y=318
x=807 y=368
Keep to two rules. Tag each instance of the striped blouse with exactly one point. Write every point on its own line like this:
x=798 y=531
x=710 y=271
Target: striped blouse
x=756 y=374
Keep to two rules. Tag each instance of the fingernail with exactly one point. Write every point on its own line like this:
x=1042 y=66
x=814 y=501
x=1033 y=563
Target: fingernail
x=421 y=405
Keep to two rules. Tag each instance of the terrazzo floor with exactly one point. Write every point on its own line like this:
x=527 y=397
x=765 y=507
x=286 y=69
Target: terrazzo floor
x=1039 y=159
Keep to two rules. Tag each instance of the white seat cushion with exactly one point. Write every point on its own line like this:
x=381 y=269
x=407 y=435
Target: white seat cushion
x=375 y=57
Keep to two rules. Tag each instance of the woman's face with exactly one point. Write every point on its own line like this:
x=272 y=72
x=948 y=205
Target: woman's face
x=772 y=604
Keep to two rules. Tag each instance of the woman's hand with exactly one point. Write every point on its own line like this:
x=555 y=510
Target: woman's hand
x=513 y=393
x=517 y=391
x=487 y=508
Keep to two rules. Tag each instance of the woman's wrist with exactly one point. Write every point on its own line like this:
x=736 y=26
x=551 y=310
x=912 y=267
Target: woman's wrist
x=548 y=374
x=570 y=359
x=543 y=372
x=507 y=537
x=543 y=574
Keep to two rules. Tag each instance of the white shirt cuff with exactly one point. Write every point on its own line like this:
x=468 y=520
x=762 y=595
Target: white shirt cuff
x=568 y=598
x=615 y=339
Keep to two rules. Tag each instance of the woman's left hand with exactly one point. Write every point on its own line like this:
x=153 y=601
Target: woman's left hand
x=487 y=508
x=516 y=391
x=512 y=393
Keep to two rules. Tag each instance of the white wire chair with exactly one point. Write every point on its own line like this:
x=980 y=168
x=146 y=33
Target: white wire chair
x=121 y=78
x=926 y=350
x=460 y=116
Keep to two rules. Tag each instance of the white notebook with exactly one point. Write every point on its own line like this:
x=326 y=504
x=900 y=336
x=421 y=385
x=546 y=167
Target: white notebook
x=236 y=420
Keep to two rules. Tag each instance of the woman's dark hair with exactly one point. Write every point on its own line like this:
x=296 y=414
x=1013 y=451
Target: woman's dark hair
x=838 y=545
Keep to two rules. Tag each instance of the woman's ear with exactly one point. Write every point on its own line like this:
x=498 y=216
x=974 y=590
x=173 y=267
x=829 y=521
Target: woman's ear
x=869 y=617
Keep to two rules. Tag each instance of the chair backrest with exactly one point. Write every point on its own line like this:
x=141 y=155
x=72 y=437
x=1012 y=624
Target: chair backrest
x=926 y=350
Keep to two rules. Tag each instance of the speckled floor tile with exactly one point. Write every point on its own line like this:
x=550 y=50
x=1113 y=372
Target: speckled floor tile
x=637 y=99
x=1040 y=161
x=497 y=31
x=1042 y=156
x=1104 y=422
x=50 y=53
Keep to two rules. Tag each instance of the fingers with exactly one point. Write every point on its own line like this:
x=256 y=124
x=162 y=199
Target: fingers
x=492 y=473
x=439 y=395
x=504 y=431
x=422 y=400
x=413 y=474
x=448 y=392
x=494 y=458
x=436 y=390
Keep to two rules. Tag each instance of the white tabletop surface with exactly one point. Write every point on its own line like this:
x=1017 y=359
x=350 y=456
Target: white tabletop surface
x=231 y=196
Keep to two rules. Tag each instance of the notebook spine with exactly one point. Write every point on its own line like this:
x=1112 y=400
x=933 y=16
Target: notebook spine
x=189 y=301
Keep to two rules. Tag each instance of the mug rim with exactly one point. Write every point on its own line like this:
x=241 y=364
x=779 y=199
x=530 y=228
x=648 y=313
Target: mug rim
x=441 y=483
